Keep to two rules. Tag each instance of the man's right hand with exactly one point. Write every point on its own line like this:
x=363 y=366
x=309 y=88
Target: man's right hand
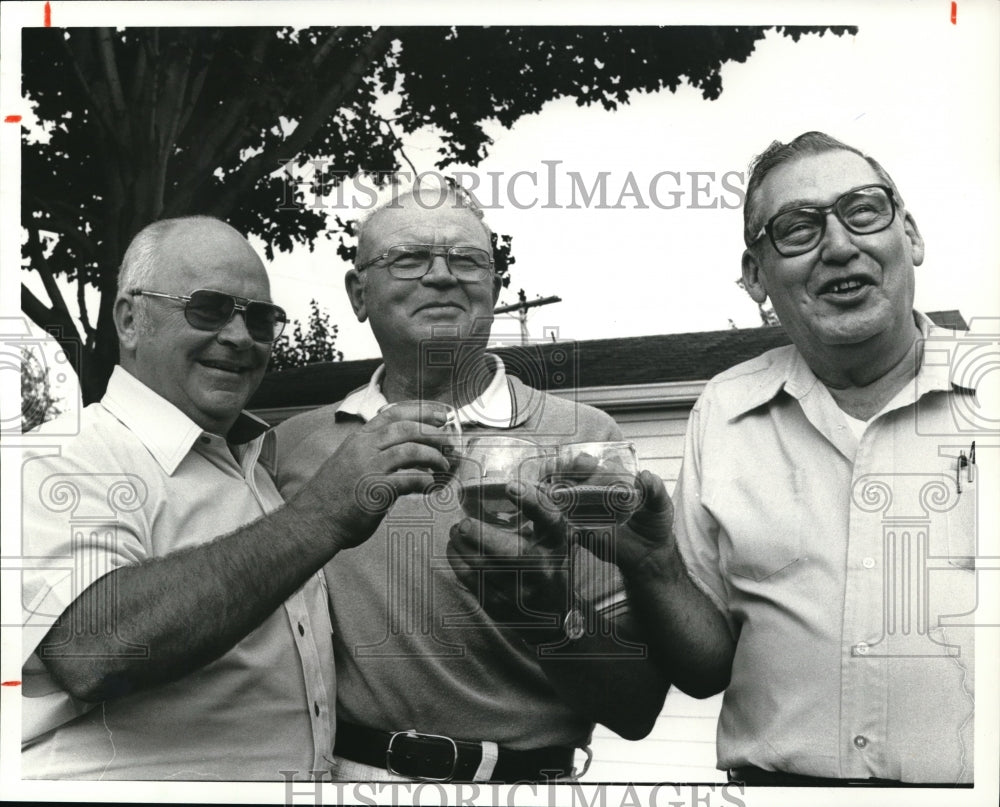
x=649 y=530
x=393 y=454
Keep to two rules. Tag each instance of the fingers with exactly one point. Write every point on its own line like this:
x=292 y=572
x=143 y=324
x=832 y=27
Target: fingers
x=656 y=504
x=547 y=519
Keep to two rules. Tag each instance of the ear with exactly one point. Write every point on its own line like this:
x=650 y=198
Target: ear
x=752 y=279
x=497 y=285
x=355 y=285
x=126 y=323
x=916 y=239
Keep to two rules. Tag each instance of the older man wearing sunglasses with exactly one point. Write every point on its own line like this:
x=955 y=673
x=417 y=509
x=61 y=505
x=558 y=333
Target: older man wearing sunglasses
x=176 y=616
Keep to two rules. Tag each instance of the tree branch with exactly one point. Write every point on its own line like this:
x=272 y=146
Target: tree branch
x=96 y=104
x=110 y=64
x=269 y=160
x=57 y=223
x=81 y=301
x=399 y=146
x=41 y=265
x=49 y=319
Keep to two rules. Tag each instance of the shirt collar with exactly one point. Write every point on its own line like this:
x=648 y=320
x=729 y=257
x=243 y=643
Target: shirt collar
x=495 y=408
x=163 y=429
x=789 y=371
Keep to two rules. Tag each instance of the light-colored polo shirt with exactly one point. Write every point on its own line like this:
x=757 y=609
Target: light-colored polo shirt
x=139 y=481
x=414 y=648
x=843 y=567
x=494 y=408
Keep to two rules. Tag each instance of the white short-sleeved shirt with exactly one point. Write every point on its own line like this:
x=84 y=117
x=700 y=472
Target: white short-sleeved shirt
x=139 y=481
x=843 y=566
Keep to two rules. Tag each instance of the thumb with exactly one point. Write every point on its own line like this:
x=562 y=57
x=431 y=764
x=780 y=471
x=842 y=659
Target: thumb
x=536 y=504
x=656 y=505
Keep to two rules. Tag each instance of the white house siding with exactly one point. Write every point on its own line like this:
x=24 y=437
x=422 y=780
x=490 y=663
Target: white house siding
x=681 y=747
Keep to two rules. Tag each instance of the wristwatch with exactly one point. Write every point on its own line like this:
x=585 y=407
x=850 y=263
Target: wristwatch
x=574 y=624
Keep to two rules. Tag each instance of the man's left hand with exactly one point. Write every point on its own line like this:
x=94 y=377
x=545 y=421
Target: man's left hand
x=521 y=577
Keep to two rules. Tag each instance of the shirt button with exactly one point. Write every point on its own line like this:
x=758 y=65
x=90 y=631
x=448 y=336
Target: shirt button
x=302 y=631
x=860 y=741
x=868 y=563
x=862 y=650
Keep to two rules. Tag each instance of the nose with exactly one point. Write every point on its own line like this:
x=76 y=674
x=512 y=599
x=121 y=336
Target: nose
x=439 y=274
x=235 y=332
x=837 y=245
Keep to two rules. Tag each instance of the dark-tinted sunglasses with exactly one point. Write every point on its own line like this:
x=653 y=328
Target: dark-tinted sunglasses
x=209 y=310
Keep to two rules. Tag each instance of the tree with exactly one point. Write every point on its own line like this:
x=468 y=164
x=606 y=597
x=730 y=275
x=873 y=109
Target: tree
x=148 y=123
x=315 y=344
x=37 y=402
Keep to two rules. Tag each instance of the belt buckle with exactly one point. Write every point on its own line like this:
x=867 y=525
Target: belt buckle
x=397 y=745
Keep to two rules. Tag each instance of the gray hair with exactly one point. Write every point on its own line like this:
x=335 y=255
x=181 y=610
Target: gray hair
x=444 y=188
x=778 y=153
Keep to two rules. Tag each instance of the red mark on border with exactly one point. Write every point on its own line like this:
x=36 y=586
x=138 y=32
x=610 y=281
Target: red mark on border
x=12 y=119
x=10 y=683
x=954 y=13
x=48 y=15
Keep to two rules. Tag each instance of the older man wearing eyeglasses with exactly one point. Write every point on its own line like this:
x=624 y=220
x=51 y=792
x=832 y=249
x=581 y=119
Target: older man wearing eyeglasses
x=176 y=615
x=823 y=570
x=464 y=675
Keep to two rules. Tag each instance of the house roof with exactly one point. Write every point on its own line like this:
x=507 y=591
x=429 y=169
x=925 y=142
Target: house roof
x=565 y=365
x=552 y=365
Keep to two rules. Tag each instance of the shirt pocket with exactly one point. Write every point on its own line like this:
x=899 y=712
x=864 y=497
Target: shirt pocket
x=761 y=522
x=961 y=519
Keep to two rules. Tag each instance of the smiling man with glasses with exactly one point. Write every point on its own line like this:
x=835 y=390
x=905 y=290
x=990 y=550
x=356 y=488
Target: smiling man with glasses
x=177 y=622
x=824 y=543
x=435 y=679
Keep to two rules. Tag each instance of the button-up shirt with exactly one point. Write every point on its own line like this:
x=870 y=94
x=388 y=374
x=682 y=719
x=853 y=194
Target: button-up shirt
x=139 y=481
x=843 y=565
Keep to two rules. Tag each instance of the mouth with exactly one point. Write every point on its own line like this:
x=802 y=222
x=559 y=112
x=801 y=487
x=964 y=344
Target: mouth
x=224 y=366
x=440 y=307
x=845 y=287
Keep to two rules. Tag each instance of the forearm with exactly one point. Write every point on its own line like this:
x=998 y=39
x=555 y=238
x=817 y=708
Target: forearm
x=608 y=674
x=688 y=636
x=174 y=614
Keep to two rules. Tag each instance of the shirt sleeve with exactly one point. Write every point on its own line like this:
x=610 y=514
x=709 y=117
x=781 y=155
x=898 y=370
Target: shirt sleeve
x=695 y=527
x=78 y=525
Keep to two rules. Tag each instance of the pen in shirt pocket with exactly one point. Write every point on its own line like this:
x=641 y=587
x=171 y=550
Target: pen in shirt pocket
x=968 y=463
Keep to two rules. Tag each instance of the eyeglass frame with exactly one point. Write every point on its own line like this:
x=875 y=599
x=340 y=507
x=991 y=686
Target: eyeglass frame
x=435 y=250
x=239 y=306
x=826 y=210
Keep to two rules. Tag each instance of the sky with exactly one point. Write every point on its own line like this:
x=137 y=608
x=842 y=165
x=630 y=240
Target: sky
x=924 y=104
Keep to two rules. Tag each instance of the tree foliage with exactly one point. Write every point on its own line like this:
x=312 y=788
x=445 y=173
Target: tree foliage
x=308 y=345
x=37 y=402
x=148 y=123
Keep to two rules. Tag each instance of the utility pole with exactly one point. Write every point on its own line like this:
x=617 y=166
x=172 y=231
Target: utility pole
x=521 y=307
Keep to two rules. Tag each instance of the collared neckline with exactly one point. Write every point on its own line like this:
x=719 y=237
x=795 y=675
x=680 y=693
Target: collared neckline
x=162 y=428
x=495 y=408
x=788 y=371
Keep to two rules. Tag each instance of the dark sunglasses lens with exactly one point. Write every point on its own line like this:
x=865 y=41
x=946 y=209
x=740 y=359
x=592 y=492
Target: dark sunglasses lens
x=209 y=310
x=265 y=321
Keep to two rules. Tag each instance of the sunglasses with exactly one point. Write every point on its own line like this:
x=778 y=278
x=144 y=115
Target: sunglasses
x=209 y=310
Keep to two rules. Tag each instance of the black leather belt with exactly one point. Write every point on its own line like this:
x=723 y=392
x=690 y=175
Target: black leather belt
x=751 y=775
x=433 y=758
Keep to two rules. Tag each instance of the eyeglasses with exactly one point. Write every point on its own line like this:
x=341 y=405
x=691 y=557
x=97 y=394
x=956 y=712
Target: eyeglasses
x=863 y=211
x=209 y=310
x=413 y=261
